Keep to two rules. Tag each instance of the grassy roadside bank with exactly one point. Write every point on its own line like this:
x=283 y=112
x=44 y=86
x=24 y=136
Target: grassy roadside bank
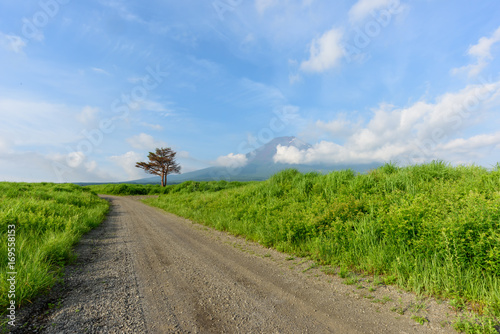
x=47 y=220
x=432 y=229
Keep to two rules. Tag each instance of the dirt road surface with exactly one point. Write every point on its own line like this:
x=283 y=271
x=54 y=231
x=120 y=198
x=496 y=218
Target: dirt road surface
x=147 y=271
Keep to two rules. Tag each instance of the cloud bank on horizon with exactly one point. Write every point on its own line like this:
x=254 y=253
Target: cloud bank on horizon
x=88 y=89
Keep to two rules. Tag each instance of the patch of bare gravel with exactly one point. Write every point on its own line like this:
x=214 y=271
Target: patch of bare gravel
x=368 y=293
x=98 y=293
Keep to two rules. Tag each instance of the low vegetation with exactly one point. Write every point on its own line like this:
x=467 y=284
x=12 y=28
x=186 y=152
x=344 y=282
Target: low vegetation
x=433 y=229
x=49 y=219
x=150 y=189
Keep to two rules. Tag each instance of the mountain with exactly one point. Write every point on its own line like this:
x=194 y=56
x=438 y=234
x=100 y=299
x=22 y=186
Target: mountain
x=260 y=166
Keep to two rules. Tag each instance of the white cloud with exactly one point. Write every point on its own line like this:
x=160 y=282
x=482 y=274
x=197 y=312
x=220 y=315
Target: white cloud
x=100 y=71
x=153 y=106
x=251 y=93
x=127 y=161
x=249 y=38
x=150 y=105
x=363 y=8
x=338 y=128
x=483 y=48
x=91 y=166
x=87 y=115
x=75 y=159
x=12 y=43
x=294 y=78
x=4 y=145
x=136 y=80
x=18 y=166
x=123 y=11
x=289 y=155
x=482 y=52
x=325 y=52
x=37 y=122
x=248 y=43
x=145 y=142
x=153 y=126
x=183 y=154
x=263 y=5
x=159 y=28
x=420 y=132
x=232 y=160
x=332 y=153
x=31 y=32
x=472 y=143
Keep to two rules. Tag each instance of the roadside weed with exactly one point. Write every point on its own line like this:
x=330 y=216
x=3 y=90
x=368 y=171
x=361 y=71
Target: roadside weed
x=351 y=280
x=420 y=320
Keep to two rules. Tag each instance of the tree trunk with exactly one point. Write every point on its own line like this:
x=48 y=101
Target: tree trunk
x=162 y=179
x=166 y=174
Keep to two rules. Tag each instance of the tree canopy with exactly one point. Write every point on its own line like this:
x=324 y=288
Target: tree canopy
x=161 y=163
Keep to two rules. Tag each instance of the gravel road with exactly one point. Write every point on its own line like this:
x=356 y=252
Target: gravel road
x=147 y=271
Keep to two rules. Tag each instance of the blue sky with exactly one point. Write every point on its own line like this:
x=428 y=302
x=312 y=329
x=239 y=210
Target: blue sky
x=89 y=88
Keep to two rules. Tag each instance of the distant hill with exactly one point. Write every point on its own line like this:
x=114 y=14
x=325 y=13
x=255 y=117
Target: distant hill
x=260 y=166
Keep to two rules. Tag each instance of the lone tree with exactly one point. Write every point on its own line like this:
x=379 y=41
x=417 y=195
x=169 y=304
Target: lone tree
x=161 y=163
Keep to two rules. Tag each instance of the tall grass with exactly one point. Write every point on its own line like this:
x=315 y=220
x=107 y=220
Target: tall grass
x=429 y=228
x=49 y=219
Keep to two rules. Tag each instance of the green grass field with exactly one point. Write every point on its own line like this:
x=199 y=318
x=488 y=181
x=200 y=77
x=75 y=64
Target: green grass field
x=49 y=219
x=432 y=229
x=156 y=189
